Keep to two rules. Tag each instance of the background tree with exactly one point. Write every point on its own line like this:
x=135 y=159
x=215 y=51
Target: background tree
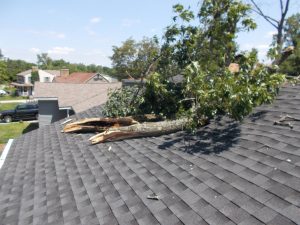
x=292 y=31
x=34 y=76
x=44 y=61
x=11 y=67
x=4 y=78
x=292 y=38
x=4 y=75
x=1 y=55
x=278 y=24
x=133 y=58
x=222 y=20
x=16 y=66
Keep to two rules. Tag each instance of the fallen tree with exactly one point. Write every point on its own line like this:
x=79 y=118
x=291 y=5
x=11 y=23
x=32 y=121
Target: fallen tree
x=112 y=129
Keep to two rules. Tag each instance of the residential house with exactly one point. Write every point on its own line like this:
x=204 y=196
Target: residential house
x=228 y=173
x=83 y=77
x=60 y=100
x=24 y=84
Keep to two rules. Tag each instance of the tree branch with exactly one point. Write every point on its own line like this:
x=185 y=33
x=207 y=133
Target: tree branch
x=281 y=6
x=286 y=7
x=269 y=19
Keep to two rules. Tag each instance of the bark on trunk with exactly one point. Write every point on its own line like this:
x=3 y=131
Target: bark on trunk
x=139 y=130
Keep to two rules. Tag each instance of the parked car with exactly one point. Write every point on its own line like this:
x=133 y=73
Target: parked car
x=28 y=111
x=2 y=92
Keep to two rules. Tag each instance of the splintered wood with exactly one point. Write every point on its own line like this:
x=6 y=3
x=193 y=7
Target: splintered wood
x=98 y=124
x=122 y=128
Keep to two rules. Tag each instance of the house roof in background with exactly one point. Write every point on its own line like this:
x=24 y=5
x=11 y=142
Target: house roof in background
x=82 y=77
x=230 y=173
x=24 y=73
x=80 y=96
x=76 y=78
x=53 y=72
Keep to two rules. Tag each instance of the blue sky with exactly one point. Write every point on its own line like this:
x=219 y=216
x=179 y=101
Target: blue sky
x=85 y=30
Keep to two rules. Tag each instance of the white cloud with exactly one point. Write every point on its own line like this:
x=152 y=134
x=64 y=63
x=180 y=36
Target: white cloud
x=89 y=27
x=270 y=34
x=130 y=22
x=52 y=34
x=51 y=11
x=90 y=31
x=61 y=50
x=95 y=20
x=261 y=47
x=35 y=50
x=96 y=52
x=153 y=30
x=59 y=35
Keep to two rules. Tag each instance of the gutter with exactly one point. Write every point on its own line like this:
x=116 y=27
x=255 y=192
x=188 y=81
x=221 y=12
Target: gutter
x=5 y=152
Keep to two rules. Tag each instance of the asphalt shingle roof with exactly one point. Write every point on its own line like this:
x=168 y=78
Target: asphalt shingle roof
x=230 y=173
x=75 y=78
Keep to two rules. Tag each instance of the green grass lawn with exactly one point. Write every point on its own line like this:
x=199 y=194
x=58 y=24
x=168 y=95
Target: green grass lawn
x=7 y=106
x=8 y=97
x=14 y=130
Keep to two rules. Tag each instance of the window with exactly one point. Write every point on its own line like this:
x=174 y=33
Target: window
x=98 y=77
x=47 y=79
x=21 y=107
x=29 y=79
x=27 y=106
x=20 y=79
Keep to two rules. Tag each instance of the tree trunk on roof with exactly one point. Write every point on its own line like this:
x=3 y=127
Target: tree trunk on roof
x=139 y=130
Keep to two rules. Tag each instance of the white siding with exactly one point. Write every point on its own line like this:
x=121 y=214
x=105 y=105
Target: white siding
x=44 y=76
x=27 y=78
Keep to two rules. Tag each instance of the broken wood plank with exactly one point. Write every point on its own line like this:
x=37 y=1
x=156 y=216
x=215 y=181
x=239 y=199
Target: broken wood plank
x=283 y=121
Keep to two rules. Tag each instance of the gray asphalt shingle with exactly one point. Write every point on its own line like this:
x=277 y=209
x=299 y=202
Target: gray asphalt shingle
x=230 y=173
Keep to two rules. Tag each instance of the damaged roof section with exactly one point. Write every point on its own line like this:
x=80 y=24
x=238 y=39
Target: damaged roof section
x=229 y=173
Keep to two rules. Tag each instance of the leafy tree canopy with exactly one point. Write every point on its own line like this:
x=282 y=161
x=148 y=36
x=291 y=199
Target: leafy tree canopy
x=4 y=78
x=292 y=38
x=46 y=62
x=207 y=36
x=34 y=76
x=133 y=58
x=200 y=46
